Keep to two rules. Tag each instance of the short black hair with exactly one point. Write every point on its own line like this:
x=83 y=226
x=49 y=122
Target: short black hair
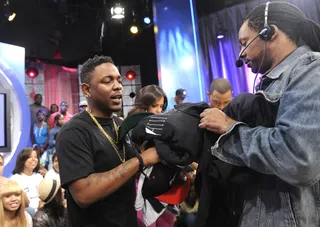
x=220 y=85
x=89 y=66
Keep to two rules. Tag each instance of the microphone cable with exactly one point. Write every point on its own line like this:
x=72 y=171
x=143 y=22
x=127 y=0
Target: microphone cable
x=255 y=78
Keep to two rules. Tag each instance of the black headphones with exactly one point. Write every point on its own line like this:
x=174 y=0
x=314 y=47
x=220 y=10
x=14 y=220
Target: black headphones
x=265 y=34
x=268 y=31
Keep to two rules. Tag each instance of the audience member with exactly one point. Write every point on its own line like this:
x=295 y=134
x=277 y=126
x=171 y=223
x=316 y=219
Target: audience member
x=220 y=94
x=150 y=98
x=83 y=105
x=12 y=206
x=2 y=179
x=26 y=174
x=52 y=213
x=54 y=172
x=180 y=96
x=39 y=132
x=63 y=111
x=53 y=108
x=46 y=158
x=35 y=107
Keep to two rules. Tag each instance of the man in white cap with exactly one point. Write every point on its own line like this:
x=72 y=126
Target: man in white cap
x=83 y=105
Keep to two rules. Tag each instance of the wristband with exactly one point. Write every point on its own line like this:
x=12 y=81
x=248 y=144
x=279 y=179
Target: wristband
x=141 y=163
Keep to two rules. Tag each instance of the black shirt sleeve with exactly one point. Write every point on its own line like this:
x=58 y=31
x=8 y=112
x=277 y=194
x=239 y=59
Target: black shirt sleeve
x=74 y=155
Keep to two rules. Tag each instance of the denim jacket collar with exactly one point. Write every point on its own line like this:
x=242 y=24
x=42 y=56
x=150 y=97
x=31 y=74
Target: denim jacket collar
x=280 y=68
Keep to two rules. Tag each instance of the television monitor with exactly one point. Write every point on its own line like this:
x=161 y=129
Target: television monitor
x=5 y=130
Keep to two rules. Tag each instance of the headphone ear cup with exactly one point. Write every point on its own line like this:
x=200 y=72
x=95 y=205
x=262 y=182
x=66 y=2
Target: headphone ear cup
x=268 y=34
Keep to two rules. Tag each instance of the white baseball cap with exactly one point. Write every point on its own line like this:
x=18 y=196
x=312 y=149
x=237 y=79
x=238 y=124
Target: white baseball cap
x=83 y=103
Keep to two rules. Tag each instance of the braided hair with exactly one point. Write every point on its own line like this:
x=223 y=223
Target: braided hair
x=290 y=20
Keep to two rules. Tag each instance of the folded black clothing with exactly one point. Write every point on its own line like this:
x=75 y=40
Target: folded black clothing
x=179 y=140
x=176 y=134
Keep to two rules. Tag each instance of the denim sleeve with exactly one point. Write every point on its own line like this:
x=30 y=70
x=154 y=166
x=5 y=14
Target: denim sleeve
x=291 y=149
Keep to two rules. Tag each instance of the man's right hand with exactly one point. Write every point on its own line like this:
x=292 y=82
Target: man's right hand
x=150 y=157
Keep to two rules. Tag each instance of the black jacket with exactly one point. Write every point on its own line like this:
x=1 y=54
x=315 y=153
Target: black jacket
x=179 y=141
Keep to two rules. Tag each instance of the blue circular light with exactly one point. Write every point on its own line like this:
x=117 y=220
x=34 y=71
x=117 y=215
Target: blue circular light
x=147 y=20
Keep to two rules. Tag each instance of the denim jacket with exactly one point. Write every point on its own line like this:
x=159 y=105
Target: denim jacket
x=288 y=154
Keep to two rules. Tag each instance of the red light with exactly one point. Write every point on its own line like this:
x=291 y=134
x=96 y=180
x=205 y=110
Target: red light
x=32 y=72
x=130 y=75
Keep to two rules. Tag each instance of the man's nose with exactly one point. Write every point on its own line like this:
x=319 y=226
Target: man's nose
x=221 y=106
x=118 y=85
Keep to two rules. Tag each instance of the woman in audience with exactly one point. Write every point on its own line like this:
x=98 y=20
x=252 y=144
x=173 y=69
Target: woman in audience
x=152 y=99
x=46 y=158
x=12 y=206
x=53 y=108
x=39 y=132
x=26 y=174
x=54 y=172
x=53 y=213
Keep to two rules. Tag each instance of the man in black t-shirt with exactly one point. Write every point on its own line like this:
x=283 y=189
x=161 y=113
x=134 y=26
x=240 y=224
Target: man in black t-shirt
x=96 y=171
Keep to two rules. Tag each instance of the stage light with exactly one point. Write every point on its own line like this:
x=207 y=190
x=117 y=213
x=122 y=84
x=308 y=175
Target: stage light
x=117 y=12
x=147 y=20
x=11 y=16
x=131 y=75
x=134 y=29
x=220 y=36
x=32 y=72
x=221 y=33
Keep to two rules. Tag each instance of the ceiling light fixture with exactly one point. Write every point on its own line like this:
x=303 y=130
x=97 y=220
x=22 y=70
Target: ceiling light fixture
x=117 y=12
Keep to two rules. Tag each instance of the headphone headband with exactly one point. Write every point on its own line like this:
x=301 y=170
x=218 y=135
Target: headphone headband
x=266 y=14
x=268 y=31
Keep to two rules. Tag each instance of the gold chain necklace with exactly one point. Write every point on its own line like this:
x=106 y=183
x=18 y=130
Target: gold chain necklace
x=111 y=140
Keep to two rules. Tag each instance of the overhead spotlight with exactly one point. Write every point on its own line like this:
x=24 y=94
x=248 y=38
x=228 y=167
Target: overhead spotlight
x=117 y=12
x=134 y=29
x=7 y=12
x=131 y=75
x=11 y=16
x=221 y=33
x=147 y=20
x=32 y=72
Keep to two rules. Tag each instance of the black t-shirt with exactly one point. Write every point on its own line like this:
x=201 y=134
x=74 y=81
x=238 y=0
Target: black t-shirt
x=82 y=149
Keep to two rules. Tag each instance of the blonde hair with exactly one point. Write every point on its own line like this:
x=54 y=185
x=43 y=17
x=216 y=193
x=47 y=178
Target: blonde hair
x=9 y=188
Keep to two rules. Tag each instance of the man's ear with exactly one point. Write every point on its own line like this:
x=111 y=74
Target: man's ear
x=86 y=89
x=275 y=31
x=208 y=94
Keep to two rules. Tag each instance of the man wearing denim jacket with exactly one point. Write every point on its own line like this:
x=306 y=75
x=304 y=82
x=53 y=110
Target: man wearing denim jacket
x=288 y=154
